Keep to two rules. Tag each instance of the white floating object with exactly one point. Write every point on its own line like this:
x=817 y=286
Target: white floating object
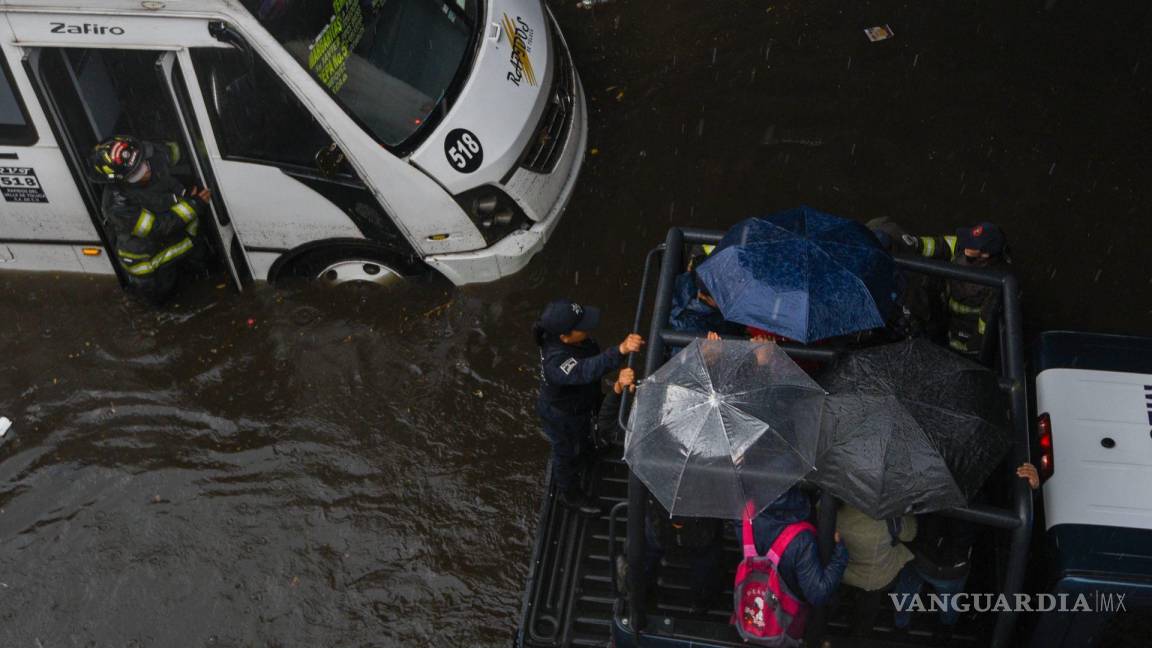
x=5 y=423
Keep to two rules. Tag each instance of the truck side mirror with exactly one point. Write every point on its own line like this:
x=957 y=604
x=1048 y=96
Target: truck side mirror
x=329 y=160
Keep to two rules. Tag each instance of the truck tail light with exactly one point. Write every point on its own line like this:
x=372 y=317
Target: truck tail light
x=1047 y=457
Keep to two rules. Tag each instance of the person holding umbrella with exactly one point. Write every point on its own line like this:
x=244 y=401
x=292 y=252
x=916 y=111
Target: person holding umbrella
x=801 y=274
x=571 y=367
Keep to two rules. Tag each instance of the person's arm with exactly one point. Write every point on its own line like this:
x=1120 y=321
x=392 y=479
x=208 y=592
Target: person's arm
x=936 y=247
x=1028 y=472
x=609 y=416
x=817 y=581
x=582 y=371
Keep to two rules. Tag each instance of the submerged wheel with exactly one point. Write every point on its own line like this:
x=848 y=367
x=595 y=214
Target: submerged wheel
x=347 y=263
x=362 y=270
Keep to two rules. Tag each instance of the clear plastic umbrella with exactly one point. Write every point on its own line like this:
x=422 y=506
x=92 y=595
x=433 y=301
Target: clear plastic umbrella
x=724 y=423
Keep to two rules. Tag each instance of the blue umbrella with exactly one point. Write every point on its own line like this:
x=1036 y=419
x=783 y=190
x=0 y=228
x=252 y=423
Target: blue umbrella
x=802 y=274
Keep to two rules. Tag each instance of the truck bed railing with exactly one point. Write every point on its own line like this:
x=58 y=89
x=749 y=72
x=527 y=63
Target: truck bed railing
x=1017 y=519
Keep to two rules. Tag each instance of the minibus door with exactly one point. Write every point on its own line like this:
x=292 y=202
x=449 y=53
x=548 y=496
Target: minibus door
x=231 y=248
x=95 y=93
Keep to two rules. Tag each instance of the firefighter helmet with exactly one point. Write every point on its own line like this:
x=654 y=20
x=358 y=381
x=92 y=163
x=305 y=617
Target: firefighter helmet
x=120 y=159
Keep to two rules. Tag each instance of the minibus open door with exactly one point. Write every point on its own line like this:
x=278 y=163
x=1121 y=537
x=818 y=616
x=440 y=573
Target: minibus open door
x=231 y=251
x=91 y=94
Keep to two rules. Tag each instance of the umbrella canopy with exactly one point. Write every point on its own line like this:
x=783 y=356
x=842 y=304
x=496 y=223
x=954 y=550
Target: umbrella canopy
x=802 y=274
x=911 y=427
x=722 y=424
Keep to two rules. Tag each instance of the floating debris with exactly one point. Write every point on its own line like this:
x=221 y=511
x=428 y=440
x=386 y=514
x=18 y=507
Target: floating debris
x=879 y=33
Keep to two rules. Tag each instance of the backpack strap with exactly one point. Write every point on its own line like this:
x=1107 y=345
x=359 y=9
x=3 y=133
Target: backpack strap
x=749 y=539
x=785 y=538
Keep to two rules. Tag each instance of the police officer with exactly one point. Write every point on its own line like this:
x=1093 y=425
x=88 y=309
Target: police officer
x=571 y=366
x=971 y=307
x=154 y=219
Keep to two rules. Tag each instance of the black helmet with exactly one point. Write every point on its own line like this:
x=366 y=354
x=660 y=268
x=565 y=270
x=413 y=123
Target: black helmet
x=120 y=159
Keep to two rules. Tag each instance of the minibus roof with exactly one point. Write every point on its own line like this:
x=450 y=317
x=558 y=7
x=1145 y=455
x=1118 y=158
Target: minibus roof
x=112 y=7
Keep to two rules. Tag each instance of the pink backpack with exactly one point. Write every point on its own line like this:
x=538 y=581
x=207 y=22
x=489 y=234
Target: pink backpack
x=766 y=613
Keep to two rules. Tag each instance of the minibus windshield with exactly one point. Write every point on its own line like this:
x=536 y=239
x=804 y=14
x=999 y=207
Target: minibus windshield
x=392 y=64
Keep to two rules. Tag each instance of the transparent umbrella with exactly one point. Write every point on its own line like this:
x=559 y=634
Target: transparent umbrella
x=721 y=424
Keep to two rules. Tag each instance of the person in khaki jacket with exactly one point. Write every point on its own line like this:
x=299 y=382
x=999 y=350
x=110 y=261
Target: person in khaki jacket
x=876 y=559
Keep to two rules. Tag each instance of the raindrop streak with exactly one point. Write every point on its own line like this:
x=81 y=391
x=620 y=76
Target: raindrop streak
x=849 y=63
x=915 y=60
x=1051 y=168
x=713 y=56
x=1096 y=279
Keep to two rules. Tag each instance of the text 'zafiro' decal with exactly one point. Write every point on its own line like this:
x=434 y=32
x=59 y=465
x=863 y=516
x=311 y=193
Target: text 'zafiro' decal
x=86 y=28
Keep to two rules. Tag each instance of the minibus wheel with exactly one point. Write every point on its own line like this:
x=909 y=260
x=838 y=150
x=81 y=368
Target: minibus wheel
x=362 y=270
x=345 y=263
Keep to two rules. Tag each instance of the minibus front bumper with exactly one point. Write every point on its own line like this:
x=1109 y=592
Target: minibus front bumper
x=510 y=254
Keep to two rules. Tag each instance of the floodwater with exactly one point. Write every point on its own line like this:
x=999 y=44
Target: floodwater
x=302 y=467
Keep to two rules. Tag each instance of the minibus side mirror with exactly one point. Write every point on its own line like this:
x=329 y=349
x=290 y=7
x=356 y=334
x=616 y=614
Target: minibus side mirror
x=329 y=160
x=225 y=34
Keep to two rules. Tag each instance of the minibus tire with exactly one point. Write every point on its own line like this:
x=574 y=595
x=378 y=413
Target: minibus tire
x=355 y=264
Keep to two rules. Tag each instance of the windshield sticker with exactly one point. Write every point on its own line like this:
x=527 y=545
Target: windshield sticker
x=20 y=185
x=463 y=150
x=521 y=36
x=328 y=53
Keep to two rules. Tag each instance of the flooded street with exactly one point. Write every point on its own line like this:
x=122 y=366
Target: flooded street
x=301 y=467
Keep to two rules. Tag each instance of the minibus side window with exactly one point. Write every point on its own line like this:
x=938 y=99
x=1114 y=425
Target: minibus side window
x=15 y=127
x=256 y=116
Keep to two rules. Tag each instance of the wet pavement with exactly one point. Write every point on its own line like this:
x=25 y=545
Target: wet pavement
x=361 y=468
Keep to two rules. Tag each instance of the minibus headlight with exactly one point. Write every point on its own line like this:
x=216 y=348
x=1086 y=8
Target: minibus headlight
x=493 y=212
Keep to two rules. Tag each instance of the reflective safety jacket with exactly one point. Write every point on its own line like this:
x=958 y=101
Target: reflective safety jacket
x=154 y=225
x=971 y=307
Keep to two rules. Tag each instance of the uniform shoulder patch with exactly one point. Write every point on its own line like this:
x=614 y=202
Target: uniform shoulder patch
x=568 y=365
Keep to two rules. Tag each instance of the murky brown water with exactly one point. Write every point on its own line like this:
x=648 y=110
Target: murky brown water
x=350 y=472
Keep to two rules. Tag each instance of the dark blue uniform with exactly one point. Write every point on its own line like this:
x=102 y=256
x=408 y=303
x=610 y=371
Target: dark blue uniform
x=569 y=399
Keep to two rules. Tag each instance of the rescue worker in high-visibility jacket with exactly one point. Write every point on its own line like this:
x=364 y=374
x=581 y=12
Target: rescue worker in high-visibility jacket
x=971 y=307
x=155 y=220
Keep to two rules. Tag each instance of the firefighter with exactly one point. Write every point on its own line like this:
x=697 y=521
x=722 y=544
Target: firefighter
x=154 y=220
x=571 y=367
x=971 y=307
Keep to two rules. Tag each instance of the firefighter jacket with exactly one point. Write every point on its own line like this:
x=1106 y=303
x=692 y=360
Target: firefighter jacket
x=971 y=307
x=154 y=225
